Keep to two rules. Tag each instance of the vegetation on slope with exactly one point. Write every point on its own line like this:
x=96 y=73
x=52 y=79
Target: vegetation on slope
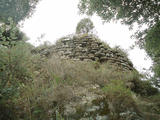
x=35 y=87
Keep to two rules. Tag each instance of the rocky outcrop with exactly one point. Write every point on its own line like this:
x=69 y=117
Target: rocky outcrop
x=90 y=103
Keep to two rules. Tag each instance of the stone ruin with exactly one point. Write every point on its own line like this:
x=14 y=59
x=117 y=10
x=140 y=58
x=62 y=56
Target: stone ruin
x=87 y=48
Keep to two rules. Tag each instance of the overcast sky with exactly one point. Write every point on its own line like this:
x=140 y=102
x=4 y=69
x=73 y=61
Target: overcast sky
x=58 y=18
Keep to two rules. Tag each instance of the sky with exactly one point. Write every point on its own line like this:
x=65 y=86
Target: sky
x=55 y=19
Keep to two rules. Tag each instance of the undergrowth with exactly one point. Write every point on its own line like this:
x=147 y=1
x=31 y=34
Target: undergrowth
x=55 y=80
x=33 y=87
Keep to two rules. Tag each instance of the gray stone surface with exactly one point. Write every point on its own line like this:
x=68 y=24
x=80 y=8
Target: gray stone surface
x=87 y=48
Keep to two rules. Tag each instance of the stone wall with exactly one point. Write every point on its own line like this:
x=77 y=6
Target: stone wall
x=88 y=48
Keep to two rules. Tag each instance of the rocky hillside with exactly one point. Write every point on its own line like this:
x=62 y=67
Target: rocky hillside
x=82 y=78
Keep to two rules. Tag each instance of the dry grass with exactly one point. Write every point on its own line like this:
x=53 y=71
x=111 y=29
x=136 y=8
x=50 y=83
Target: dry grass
x=55 y=81
x=78 y=72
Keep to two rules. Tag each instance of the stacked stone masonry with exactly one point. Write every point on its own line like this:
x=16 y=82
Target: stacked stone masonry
x=89 y=48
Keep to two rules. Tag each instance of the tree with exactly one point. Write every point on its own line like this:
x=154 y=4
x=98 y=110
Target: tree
x=85 y=26
x=16 y=9
x=10 y=34
x=152 y=46
x=152 y=41
x=129 y=12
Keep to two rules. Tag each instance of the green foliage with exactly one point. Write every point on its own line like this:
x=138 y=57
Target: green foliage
x=15 y=64
x=43 y=97
x=7 y=110
x=35 y=101
x=156 y=78
x=85 y=26
x=117 y=87
x=155 y=98
x=10 y=34
x=15 y=68
x=139 y=86
x=12 y=60
x=152 y=43
x=120 y=102
x=151 y=106
x=121 y=51
x=53 y=84
x=56 y=83
x=152 y=46
x=16 y=9
x=144 y=88
x=127 y=11
x=144 y=12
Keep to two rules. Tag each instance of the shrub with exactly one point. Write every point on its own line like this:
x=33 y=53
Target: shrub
x=144 y=88
x=10 y=34
x=120 y=102
x=85 y=26
x=15 y=64
x=121 y=51
x=42 y=98
x=15 y=68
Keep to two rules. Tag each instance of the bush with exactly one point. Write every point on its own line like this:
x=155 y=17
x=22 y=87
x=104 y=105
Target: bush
x=120 y=102
x=15 y=64
x=14 y=59
x=10 y=34
x=121 y=51
x=144 y=88
x=15 y=68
